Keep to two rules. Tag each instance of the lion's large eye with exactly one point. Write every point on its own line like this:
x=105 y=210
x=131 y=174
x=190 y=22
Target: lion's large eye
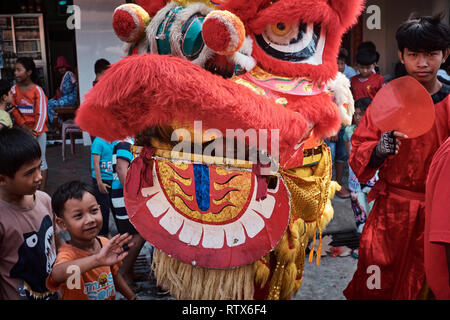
x=281 y=29
x=299 y=42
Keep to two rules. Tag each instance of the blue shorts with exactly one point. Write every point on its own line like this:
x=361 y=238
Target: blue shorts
x=338 y=152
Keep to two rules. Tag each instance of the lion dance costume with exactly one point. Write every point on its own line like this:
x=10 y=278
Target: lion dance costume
x=227 y=227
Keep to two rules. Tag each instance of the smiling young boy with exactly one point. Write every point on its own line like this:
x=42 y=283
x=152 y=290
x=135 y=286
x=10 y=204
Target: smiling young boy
x=27 y=233
x=393 y=237
x=86 y=267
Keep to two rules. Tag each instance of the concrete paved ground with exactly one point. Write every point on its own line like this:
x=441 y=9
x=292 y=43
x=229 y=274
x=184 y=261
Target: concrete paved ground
x=76 y=166
x=325 y=282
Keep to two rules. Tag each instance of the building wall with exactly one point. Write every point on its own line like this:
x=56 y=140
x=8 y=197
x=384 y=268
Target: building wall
x=393 y=13
x=96 y=39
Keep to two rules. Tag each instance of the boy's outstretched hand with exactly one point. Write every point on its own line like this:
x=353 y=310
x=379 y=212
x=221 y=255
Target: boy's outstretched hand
x=113 y=251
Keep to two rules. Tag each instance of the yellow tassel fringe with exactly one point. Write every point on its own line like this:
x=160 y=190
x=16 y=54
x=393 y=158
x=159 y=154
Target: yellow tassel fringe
x=186 y=282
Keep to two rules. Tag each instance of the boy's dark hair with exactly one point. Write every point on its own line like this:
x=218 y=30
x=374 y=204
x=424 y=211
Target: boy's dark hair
x=367 y=53
x=424 y=34
x=366 y=57
x=69 y=190
x=101 y=65
x=363 y=104
x=343 y=54
x=17 y=147
x=29 y=65
x=5 y=87
x=367 y=45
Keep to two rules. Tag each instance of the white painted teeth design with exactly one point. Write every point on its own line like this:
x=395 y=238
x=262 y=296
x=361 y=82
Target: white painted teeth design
x=172 y=221
x=235 y=234
x=158 y=204
x=211 y=236
x=265 y=208
x=191 y=232
x=252 y=222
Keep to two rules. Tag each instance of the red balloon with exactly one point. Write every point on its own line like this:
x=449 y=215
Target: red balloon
x=403 y=105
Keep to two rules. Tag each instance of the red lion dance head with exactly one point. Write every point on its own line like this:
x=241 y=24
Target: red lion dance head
x=236 y=65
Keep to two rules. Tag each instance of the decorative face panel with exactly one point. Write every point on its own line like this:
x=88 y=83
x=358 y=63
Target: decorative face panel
x=195 y=212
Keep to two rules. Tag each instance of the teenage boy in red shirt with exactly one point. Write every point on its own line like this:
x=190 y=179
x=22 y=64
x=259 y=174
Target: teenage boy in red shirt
x=392 y=242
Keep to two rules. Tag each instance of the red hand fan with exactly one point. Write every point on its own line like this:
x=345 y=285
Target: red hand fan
x=403 y=105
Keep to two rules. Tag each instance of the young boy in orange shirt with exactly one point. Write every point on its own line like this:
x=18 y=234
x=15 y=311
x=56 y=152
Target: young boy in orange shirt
x=86 y=267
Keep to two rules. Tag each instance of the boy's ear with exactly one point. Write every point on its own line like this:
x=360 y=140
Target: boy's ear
x=446 y=54
x=61 y=223
x=400 y=56
x=2 y=180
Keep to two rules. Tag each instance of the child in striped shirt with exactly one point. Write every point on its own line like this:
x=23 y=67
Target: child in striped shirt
x=121 y=160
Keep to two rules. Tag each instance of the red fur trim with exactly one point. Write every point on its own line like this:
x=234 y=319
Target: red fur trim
x=320 y=110
x=348 y=10
x=286 y=10
x=291 y=11
x=245 y=10
x=147 y=90
x=152 y=6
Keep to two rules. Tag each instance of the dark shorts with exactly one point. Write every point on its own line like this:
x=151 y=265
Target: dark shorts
x=104 y=200
x=125 y=226
x=120 y=214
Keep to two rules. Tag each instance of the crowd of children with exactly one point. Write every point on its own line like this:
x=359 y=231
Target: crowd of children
x=365 y=83
x=36 y=263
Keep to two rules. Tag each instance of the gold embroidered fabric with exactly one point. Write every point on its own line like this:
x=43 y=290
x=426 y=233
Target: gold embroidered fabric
x=311 y=189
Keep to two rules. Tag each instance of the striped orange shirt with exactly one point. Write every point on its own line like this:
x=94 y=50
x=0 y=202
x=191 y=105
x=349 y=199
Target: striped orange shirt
x=31 y=108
